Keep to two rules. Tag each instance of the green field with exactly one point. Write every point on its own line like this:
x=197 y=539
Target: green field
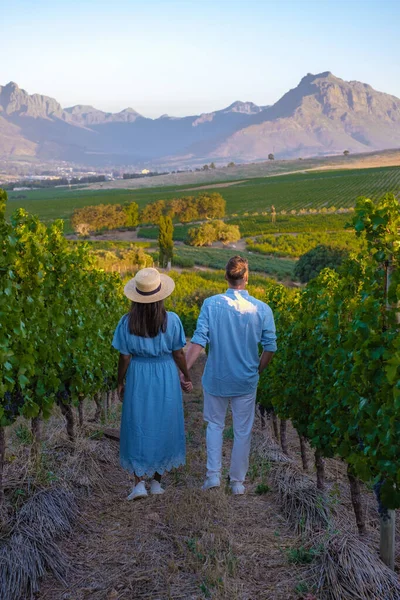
x=286 y=192
x=180 y=232
x=216 y=258
x=297 y=245
x=259 y=225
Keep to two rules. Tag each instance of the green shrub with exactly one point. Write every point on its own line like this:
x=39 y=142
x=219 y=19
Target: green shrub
x=321 y=257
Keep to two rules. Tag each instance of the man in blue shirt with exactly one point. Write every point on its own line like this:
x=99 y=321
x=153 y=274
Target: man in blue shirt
x=233 y=325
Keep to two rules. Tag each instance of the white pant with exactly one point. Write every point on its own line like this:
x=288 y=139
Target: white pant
x=243 y=410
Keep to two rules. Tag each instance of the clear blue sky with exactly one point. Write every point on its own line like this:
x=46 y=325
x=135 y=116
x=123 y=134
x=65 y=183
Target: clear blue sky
x=187 y=57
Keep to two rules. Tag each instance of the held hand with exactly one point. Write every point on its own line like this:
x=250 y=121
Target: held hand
x=121 y=391
x=186 y=385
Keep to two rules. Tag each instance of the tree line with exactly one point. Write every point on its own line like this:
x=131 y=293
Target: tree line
x=185 y=209
x=49 y=183
x=104 y=216
x=113 y=216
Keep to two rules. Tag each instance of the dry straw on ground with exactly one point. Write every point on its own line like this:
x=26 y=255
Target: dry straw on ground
x=348 y=569
x=31 y=551
x=345 y=567
x=53 y=483
x=300 y=501
x=187 y=544
x=303 y=505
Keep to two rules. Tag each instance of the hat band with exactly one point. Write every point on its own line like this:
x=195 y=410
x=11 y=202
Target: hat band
x=149 y=293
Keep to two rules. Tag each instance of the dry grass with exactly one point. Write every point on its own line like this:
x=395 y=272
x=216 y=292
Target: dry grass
x=348 y=569
x=41 y=509
x=185 y=544
x=76 y=466
x=303 y=505
x=264 y=446
x=30 y=552
x=345 y=566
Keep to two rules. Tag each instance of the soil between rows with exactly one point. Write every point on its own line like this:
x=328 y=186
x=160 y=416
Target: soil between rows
x=193 y=545
x=185 y=544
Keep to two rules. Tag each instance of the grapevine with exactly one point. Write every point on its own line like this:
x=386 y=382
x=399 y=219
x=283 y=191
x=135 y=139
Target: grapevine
x=58 y=313
x=337 y=372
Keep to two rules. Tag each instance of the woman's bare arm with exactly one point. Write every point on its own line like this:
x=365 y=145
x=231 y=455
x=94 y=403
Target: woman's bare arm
x=123 y=364
x=180 y=360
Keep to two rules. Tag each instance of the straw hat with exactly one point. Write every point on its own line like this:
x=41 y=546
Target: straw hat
x=149 y=285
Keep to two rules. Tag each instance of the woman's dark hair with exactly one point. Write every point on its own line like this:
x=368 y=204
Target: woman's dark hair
x=147 y=320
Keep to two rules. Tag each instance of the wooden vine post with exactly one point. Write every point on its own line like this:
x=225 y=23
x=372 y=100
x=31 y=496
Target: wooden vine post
x=97 y=400
x=320 y=469
x=80 y=410
x=303 y=451
x=36 y=428
x=283 y=430
x=274 y=420
x=2 y=460
x=387 y=546
x=356 y=499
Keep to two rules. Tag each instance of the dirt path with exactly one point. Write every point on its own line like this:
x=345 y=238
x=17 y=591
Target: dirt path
x=213 y=186
x=187 y=544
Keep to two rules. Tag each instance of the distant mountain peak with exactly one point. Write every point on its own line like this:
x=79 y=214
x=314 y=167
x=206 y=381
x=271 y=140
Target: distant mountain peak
x=80 y=108
x=16 y=101
x=248 y=108
x=12 y=85
x=128 y=110
x=87 y=115
x=322 y=115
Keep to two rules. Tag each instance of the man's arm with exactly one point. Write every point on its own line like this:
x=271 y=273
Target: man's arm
x=193 y=354
x=265 y=359
x=200 y=337
x=268 y=340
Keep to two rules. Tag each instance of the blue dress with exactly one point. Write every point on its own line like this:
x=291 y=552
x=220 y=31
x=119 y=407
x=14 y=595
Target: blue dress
x=152 y=425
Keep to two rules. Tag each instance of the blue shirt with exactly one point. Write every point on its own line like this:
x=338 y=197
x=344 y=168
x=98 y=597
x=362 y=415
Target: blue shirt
x=234 y=324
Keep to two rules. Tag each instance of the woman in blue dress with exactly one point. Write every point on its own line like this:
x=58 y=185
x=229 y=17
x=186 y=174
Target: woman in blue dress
x=150 y=341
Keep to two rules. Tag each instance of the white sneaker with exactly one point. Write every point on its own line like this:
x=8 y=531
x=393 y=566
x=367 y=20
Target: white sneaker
x=237 y=488
x=155 y=488
x=138 y=491
x=211 y=482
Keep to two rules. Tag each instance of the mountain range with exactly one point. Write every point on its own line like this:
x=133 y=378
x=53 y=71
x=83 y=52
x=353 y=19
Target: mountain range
x=323 y=115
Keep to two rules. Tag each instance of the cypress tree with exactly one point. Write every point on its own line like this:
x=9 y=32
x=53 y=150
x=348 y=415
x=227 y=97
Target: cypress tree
x=165 y=241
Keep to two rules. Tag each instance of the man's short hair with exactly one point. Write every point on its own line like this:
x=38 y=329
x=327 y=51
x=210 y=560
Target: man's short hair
x=236 y=268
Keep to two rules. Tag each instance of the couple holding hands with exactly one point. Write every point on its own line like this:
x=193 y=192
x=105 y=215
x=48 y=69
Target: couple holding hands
x=153 y=370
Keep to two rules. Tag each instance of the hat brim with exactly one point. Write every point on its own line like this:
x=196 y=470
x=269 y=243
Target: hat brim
x=167 y=287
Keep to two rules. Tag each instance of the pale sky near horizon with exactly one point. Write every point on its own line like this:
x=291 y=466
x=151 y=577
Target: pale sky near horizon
x=183 y=57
